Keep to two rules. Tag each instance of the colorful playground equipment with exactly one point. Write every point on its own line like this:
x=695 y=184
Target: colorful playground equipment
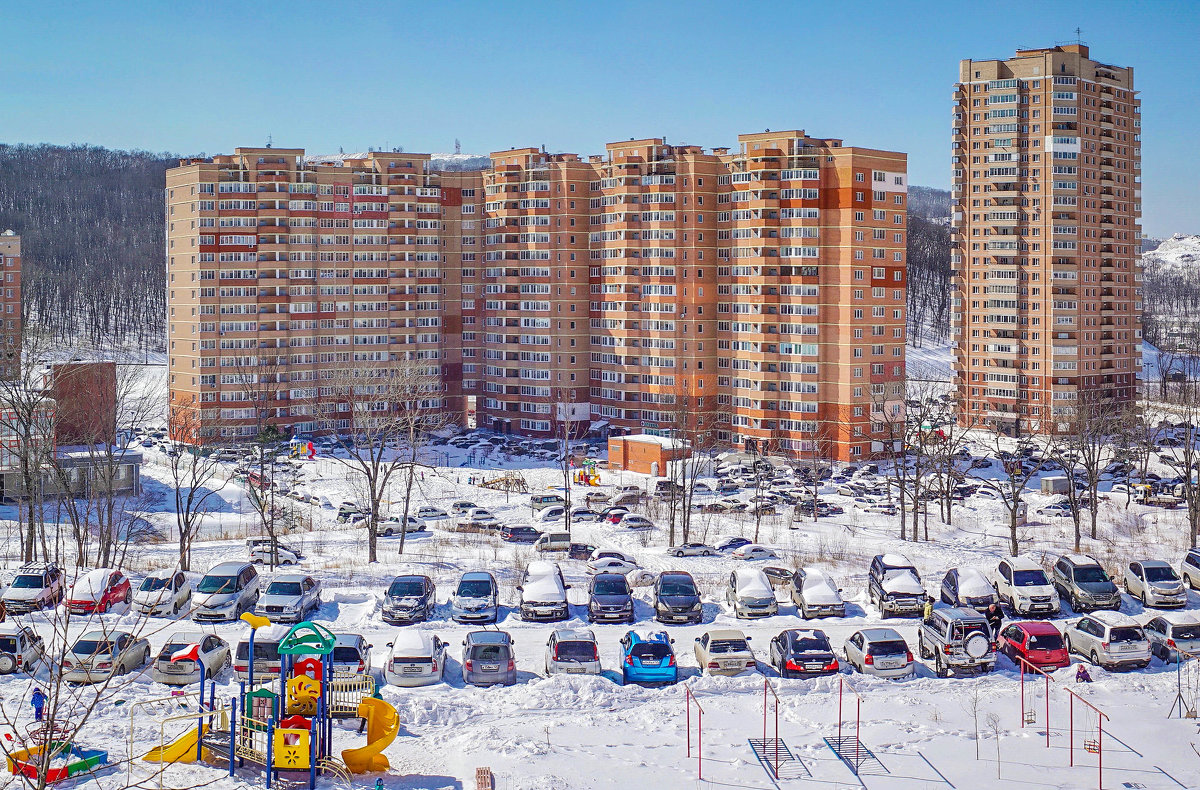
x=51 y=750
x=287 y=727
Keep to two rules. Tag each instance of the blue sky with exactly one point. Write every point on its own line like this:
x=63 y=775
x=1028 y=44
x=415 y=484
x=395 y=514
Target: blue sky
x=206 y=77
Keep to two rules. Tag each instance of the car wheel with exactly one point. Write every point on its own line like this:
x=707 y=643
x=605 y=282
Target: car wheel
x=146 y=657
x=128 y=597
x=708 y=553
x=387 y=533
x=1143 y=597
x=1094 y=658
x=939 y=668
x=102 y=607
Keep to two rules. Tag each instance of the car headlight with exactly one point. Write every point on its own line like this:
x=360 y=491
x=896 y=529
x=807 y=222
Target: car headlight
x=697 y=607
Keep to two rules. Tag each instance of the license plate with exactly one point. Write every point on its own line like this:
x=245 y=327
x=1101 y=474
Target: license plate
x=573 y=670
x=410 y=670
x=173 y=669
x=893 y=664
x=1126 y=648
x=814 y=666
x=731 y=664
x=489 y=667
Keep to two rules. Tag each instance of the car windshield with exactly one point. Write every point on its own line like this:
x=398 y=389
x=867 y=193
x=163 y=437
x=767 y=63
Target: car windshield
x=154 y=583
x=1034 y=578
x=611 y=587
x=888 y=647
x=284 y=588
x=92 y=647
x=1126 y=634
x=1177 y=632
x=406 y=588
x=27 y=581
x=1045 y=642
x=728 y=646
x=677 y=588
x=1156 y=573
x=1090 y=573
x=268 y=651
x=475 y=588
x=809 y=644
x=346 y=655
x=650 y=651
x=8 y=644
x=490 y=652
x=575 y=651
x=217 y=584
x=897 y=573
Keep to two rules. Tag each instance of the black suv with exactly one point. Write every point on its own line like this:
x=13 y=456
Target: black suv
x=676 y=599
x=409 y=599
x=895 y=586
x=610 y=599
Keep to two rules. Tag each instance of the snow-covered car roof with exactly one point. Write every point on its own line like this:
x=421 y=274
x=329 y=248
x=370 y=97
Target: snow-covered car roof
x=896 y=561
x=972 y=582
x=92 y=583
x=818 y=588
x=752 y=581
x=412 y=642
x=1114 y=619
x=902 y=581
x=1180 y=618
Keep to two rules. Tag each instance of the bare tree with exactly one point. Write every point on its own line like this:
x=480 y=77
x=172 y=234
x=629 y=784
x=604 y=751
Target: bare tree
x=695 y=427
x=195 y=475
x=262 y=380
x=1020 y=465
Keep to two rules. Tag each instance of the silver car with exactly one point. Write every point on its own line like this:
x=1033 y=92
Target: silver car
x=879 y=651
x=488 y=659
x=1155 y=583
x=212 y=652
x=692 y=550
x=20 y=648
x=573 y=652
x=1174 y=633
x=99 y=655
x=289 y=598
x=1109 y=639
x=750 y=594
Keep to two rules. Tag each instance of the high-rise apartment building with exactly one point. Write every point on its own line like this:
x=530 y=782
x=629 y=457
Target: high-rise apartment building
x=1046 y=224
x=554 y=293
x=10 y=303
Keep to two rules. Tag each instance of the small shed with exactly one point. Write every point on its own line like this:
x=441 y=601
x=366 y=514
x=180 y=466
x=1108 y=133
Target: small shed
x=645 y=453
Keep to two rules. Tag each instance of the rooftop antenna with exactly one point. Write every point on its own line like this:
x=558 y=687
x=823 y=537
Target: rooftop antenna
x=1078 y=36
x=269 y=140
x=457 y=146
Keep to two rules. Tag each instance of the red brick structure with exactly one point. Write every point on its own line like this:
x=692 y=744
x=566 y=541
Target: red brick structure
x=644 y=453
x=85 y=397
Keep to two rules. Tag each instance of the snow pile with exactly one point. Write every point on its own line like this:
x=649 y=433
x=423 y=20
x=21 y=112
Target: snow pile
x=1179 y=254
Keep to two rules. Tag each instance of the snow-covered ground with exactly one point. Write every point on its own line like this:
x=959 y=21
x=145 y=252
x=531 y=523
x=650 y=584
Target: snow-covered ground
x=583 y=732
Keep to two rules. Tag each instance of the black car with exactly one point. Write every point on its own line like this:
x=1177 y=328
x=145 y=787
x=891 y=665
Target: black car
x=803 y=652
x=610 y=599
x=580 y=551
x=519 y=534
x=729 y=544
x=409 y=599
x=676 y=599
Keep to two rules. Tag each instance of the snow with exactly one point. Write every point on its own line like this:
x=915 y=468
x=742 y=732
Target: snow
x=753 y=583
x=972 y=583
x=1179 y=254
x=903 y=582
x=819 y=589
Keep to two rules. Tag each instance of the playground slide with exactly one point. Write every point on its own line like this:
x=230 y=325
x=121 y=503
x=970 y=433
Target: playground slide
x=383 y=722
x=182 y=748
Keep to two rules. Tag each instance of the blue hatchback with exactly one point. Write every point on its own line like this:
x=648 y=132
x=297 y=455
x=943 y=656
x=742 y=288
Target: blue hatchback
x=648 y=658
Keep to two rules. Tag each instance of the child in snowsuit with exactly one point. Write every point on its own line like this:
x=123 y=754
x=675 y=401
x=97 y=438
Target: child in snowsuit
x=1082 y=675
x=38 y=701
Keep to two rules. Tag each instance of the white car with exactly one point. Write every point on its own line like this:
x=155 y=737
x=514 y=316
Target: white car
x=552 y=513
x=750 y=593
x=879 y=651
x=478 y=517
x=611 y=565
x=1023 y=585
x=600 y=554
x=816 y=595
x=692 y=550
x=753 y=551
x=1155 y=583
x=1109 y=639
x=20 y=648
x=213 y=652
x=417 y=658
x=429 y=513
x=392 y=526
x=163 y=593
x=260 y=551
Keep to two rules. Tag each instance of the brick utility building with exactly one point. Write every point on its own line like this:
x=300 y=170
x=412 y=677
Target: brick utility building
x=10 y=304
x=1046 y=225
x=552 y=292
x=645 y=453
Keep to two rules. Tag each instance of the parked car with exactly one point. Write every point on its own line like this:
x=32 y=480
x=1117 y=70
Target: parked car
x=724 y=651
x=1109 y=639
x=610 y=565
x=803 y=652
x=816 y=595
x=543 y=592
x=511 y=534
x=550 y=514
x=894 y=586
x=557 y=541
x=21 y=648
x=289 y=598
x=676 y=598
x=416 y=658
x=648 y=658
x=583 y=515
x=542 y=501
x=351 y=655
x=732 y=542
x=968 y=587
x=99 y=590
x=409 y=599
x=429 y=513
x=394 y=525
x=610 y=599
x=211 y=650
x=478 y=517
x=1084 y=583
x=35 y=586
x=98 y=655
x=226 y=591
x=1024 y=587
x=752 y=551
x=692 y=550
x=266 y=655
x=1037 y=642
x=879 y=651
x=476 y=599
x=462 y=507
x=958 y=641
x=1189 y=569
x=579 y=551
x=1173 y=633
x=163 y=593
x=1156 y=584
x=635 y=522
x=260 y=552
x=749 y=594
x=488 y=659
x=572 y=651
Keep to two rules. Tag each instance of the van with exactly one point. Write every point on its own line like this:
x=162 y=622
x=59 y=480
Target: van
x=266 y=654
x=488 y=659
x=225 y=592
x=553 y=541
x=539 y=501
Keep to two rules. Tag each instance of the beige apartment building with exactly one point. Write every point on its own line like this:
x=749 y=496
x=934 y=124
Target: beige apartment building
x=554 y=293
x=10 y=303
x=1046 y=225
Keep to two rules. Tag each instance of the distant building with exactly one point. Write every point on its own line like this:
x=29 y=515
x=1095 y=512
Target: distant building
x=10 y=303
x=85 y=397
x=1047 y=200
x=645 y=453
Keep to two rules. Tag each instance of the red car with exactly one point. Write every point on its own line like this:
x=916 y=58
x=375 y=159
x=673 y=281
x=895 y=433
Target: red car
x=98 y=590
x=1036 y=641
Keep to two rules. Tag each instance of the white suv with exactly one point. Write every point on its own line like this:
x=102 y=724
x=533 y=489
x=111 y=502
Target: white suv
x=1109 y=639
x=1023 y=585
x=1155 y=583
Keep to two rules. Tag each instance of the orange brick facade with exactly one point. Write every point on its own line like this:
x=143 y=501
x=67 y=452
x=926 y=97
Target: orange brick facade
x=643 y=455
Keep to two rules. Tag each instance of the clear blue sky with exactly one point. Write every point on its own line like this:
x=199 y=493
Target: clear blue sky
x=206 y=77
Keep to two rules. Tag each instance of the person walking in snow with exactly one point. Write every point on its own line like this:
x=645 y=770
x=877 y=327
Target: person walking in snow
x=995 y=619
x=38 y=701
x=928 y=612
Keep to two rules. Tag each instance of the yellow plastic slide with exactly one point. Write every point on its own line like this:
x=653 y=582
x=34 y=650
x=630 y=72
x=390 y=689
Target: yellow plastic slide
x=182 y=749
x=383 y=722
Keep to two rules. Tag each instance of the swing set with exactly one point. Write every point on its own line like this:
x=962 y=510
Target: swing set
x=1091 y=730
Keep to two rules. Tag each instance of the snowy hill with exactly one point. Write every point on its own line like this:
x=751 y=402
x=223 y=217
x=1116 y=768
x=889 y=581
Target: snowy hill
x=436 y=161
x=1179 y=254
